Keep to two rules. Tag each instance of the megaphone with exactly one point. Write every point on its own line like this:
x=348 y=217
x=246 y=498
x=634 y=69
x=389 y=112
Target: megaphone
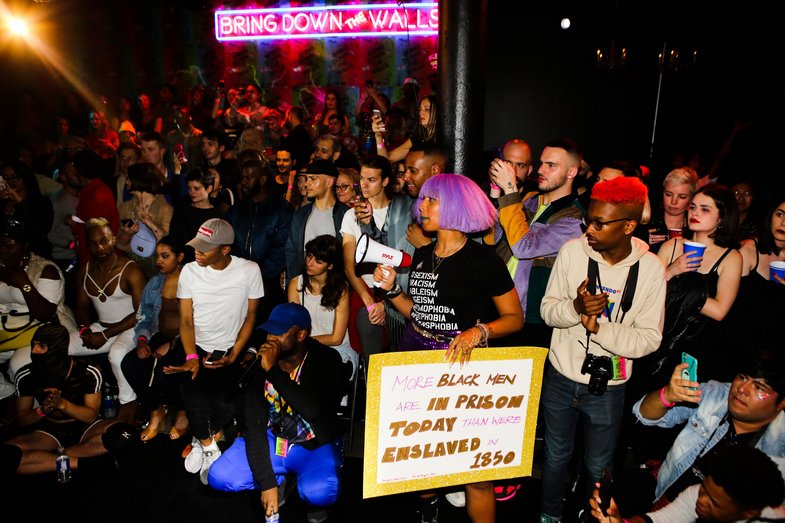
x=372 y=251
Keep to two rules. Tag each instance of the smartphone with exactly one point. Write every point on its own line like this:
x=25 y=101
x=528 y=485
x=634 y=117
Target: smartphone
x=691 y=372
x=606 y=482
x=216 y=355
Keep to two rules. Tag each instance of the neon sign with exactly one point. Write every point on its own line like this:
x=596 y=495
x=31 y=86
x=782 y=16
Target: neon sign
x=327 y=21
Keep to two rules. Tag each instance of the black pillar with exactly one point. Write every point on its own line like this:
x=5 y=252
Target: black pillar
x=462 y=46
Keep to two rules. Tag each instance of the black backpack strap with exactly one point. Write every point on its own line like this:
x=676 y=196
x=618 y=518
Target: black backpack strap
x=593 y=272
x=629 y=289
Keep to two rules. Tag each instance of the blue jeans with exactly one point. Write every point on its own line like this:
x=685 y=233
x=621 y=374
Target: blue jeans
x=563 y=402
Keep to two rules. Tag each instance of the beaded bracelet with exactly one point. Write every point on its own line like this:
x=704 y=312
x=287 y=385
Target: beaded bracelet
x=662 y=399
x=486 y=332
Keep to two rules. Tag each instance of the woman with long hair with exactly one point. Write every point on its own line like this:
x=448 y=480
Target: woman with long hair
x=332 y=105
x=426 y=131
x=158 y=344
x=323 y=290
x=469 y=280
x=714 y=222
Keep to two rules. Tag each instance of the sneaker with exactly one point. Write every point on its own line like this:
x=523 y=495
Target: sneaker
x=195 y=458
x=211 y=453
x=544 y=518
x=457 y=498
x=316 y=515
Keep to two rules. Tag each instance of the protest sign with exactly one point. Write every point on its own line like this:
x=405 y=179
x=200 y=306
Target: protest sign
x=431 y=425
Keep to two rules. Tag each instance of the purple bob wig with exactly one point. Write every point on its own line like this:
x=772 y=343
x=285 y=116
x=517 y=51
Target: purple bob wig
x=463 y=206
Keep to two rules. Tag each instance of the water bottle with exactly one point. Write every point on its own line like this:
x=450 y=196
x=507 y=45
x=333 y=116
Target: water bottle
x=272 y=519
x=108 y=405
x=63 y=466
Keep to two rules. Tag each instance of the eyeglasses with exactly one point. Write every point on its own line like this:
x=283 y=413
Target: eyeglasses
x=345 y=187
x=517 y=165
x=597 y=225
x=742 y=193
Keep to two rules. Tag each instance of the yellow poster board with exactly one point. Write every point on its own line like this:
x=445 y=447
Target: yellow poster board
x=431 y=425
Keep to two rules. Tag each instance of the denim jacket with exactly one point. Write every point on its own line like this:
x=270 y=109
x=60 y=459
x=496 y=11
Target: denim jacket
x=703 y=430
x=149 y=308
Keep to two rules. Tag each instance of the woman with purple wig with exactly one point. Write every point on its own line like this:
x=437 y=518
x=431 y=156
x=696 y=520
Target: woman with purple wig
x=460 y=293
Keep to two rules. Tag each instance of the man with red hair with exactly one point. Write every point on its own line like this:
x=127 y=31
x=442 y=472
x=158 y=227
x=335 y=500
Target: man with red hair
x=606 y=302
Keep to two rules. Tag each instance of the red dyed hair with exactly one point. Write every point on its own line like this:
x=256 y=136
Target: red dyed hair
x=621 y=191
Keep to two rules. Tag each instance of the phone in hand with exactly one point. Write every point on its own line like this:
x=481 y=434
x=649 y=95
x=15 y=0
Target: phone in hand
x=606 y=483
x=215 y=356
x=690 y=373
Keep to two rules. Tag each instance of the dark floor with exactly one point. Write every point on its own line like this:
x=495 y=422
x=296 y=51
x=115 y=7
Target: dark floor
x=153 y=486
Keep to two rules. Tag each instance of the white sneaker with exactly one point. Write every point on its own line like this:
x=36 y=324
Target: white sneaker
x=457 y=498
x=211 y=453
x=195 y=458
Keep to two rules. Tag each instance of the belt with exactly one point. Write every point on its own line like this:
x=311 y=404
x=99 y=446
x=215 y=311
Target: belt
x=441 y=338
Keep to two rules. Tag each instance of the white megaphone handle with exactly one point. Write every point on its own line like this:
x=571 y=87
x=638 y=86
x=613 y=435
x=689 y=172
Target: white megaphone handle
x=386 y=274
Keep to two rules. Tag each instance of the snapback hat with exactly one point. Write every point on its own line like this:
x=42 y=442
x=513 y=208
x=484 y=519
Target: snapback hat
x=325 y=167
x=285 y=316
x=211 y=234
x=143 y=242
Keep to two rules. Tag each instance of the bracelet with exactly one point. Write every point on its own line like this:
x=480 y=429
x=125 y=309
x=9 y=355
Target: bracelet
x=291 y=187
x=395 y=291
x=486 y=332
x=40 y=412
x=191 y=357
x=141 y=338
x=662 y=398
x=103 y=333
x=380 y=146
x=82 y=329
x=252 y=350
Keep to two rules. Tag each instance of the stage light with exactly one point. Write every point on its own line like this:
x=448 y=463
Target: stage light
x=18 y=26
x=565 y=23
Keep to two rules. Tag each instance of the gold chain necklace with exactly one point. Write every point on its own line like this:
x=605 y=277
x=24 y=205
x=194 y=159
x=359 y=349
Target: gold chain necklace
x=437 y=260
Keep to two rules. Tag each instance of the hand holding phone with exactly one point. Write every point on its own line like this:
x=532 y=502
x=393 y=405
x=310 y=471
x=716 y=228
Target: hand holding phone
x=215 y=356
x=606 y=482
x=689 y=373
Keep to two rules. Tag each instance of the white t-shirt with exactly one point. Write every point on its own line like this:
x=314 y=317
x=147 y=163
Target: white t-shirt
x=220 y=299
x=350 y=226
x=682 y=509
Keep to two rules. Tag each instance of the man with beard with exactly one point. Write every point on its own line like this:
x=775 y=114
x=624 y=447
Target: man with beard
x=605 y=300
x=261 y=221
x=68 y=392
x=322 y=215
x=532 y=229
x=109 y=285
x=290 y=409
x=421 y=162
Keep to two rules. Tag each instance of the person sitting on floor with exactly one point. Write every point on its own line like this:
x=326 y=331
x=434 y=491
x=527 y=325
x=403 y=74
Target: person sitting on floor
x=725 y=493
x=68 y=392
x=292 y=426
x=747 y=411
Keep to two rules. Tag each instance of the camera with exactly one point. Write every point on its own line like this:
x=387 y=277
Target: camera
x=600 y=370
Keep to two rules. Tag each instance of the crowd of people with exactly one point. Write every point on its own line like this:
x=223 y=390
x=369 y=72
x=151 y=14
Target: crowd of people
x=207 y=252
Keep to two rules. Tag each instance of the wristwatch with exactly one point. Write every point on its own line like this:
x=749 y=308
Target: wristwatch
x=395 y=291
